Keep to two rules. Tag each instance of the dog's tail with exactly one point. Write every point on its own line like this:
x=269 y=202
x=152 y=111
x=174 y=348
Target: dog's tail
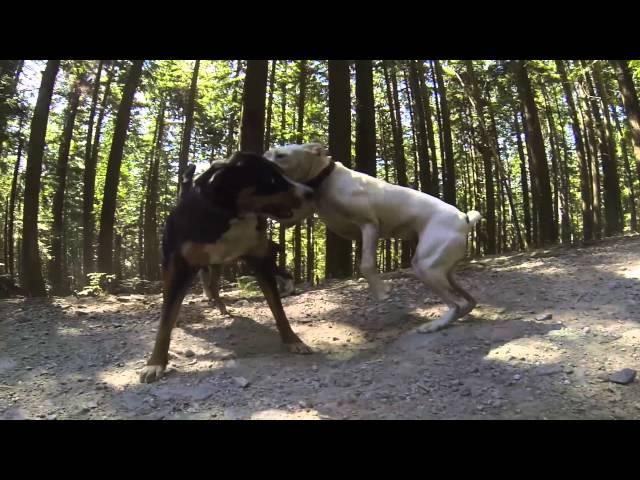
x=472 y=218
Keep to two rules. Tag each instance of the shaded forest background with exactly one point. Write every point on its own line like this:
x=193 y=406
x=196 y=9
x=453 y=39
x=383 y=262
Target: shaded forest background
x=90 y=152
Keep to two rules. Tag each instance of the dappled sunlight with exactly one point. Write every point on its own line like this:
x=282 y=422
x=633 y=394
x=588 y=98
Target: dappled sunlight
x=528 y=350
x=278 y=414
x=630 y=271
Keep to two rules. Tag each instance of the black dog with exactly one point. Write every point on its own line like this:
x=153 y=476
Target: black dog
x=218 y=221
x=211 y=275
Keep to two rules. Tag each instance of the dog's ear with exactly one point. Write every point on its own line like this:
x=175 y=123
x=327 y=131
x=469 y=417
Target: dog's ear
x=269 y=154
x=207 y=176
x=314 y=148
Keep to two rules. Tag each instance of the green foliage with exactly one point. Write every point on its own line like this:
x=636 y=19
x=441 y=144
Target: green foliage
x=217 y=115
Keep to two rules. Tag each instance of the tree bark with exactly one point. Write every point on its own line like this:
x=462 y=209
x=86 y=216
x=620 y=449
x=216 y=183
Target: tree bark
x=365 y=119
x=232 y=122
x=12 y=202
x=89 y=180
x=421 y=129
x=631 y=104
x=151 y=252
x=272 y=82
x=183 y=158
x=533 y=135
x=614 y=218
x=526 y=208
x=253 y=98
x=8 y=68
x=338 y=249
x=627 y=171
x=591 y=148
x=426 y=101
x=31 y=272
x=56 y=268
x=485 y=150
x=585 y=190
x=107 y=217
x=282 y=231
x=297 y=231
x=448 y=162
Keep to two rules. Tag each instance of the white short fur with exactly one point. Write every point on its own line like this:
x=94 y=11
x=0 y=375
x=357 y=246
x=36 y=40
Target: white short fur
x=358 y=206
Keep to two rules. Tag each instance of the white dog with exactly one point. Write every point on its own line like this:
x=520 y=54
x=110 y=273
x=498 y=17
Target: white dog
x=355 y=205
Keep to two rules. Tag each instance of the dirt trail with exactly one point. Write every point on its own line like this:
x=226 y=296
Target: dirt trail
x=550 y=327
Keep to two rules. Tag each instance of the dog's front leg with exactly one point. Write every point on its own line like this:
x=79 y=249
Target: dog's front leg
x=265 y=268
x=370 y=235
x=176 y=278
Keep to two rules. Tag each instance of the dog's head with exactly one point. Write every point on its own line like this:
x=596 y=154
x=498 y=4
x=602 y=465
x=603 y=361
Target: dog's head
x=301 y=163
x=249 y=183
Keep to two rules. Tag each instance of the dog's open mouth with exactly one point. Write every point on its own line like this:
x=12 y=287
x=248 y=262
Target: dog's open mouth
x=278 y=211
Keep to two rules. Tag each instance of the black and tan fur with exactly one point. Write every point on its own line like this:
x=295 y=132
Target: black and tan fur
x=218 y=221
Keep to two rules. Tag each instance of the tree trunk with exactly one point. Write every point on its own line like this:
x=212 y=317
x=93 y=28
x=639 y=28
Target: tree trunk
x=365 y=119
x=57 y=276
x=398 y=143
x=107 y=217
x=448 y=162
x=526 y=208
x=533 y=135
x=282 y=231
x=365 y=126
x=396 y=128
x=628 y=174
x=505 y=183
x=591 y=149
x=151 y=252
x=436 y=96
x=385 y=155
x=614 y=221
x=631 y=104
x=12 y=201
x=338 y=249
x=414 y=141
x=421 y=130
x=31 y=272
x=231 y=124
x=183 y=158
x=272 y=82
x=565 y=197
x=297 y=231
x=585 y=190
x=89 y=181
x=426 y=101
x=253 y=97
x=484 y=146
x=555 y=159
x=8 y=68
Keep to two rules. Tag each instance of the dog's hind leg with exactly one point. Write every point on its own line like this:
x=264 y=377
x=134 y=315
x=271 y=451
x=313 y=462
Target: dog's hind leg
x=471 y=302
x=437 y=281
x=210 y=278
x=433 y=264
x=176 y=278
x=368 y=262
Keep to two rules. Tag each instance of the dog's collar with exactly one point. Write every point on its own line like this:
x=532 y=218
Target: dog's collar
x=321 y=177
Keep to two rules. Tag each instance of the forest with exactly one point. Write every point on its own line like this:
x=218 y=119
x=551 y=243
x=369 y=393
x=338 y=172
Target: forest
x=91 y=152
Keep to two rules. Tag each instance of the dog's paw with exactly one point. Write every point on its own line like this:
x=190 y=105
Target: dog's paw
x=430 y=327
x=151 y=373
x=382 y=293
x=298 y=347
